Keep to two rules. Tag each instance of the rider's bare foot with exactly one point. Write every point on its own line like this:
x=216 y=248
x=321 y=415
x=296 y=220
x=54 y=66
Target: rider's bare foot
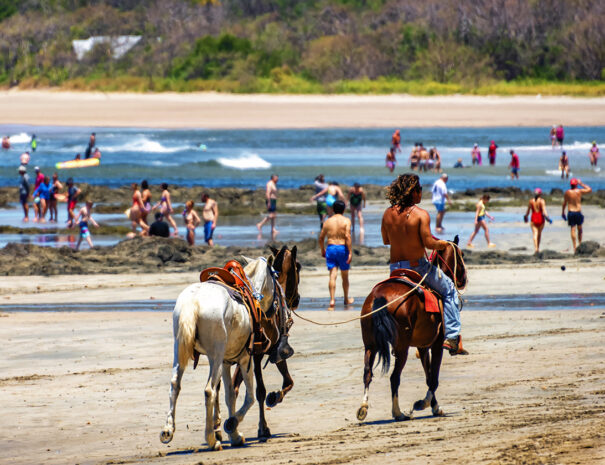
x=349 y=301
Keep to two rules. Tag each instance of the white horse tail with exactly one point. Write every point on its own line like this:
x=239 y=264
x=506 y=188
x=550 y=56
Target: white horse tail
x=186 y=333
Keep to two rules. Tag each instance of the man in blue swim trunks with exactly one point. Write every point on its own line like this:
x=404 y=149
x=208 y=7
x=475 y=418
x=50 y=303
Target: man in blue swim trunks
x=271 y=202
x=440 y=196
x=209 y=215
x=337 y=229
x=573 y=201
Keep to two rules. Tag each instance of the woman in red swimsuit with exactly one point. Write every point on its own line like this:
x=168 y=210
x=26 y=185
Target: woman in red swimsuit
x=537 y=207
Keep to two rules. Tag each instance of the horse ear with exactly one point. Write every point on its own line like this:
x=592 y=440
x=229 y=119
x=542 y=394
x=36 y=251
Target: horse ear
x=456 y=239
x=273 y=249
x=270 y=261
x=293 y=252
x=245 y=260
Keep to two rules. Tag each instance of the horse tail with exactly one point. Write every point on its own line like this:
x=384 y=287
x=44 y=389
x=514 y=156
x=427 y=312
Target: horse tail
x=186 y=332
x=385 y=332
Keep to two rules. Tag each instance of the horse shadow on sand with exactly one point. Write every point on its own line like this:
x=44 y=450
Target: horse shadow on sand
x=250 y=441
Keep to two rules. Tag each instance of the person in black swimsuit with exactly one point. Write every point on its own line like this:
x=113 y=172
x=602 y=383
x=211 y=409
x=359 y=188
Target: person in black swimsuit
x=357 y=201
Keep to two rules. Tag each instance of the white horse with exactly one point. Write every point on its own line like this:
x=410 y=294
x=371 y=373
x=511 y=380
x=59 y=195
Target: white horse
x=208 y=320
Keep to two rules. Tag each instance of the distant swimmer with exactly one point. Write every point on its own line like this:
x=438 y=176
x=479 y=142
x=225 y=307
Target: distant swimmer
x=396 y=140
x=390 y=160
x=91 y=143
x=6 y=143
x=96 y=153
x=459 y=164
x=553 y=136
x=573 y=201
x=476 y=155
x=560 y=133
x=594 y=154
x=78 y=156
x=491 y=153
x=564 y=165
x=34 y=143
x=514 y=165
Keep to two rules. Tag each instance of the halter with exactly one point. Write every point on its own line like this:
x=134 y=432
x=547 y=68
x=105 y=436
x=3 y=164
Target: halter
x=448 y=268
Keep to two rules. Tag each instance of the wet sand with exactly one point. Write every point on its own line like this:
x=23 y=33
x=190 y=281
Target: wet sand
x=226 y=111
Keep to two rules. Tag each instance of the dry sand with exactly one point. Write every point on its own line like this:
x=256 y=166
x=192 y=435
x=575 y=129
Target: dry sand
x=93 y=387
x=213 y=110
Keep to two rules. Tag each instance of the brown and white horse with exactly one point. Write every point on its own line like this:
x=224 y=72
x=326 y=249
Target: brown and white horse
x=403 y=322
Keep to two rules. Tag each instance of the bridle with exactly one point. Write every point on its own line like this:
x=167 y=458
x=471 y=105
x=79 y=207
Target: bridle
x=447 y=267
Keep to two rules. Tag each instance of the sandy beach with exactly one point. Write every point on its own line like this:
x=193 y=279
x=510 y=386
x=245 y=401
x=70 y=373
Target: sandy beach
x=227 y=111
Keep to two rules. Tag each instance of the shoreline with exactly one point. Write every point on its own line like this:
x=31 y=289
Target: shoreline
x=210 y=110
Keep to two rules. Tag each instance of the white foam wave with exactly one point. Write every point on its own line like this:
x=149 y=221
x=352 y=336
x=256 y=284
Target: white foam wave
x=143 y=144
x=162 y=163
x=246 y=161
x=556 y=172
x=21 y=138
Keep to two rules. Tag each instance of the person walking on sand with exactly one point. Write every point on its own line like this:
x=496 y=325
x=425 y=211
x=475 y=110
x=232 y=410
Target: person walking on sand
x=560 y=133
x=564 y=165
x=134 y=213
x=338 y=254
x=440 y=196
x=55 y=188
x=537 y=208
x=476 y=155
x=192 y=221
x=573 y=201
x=24 y=192
x=271 y=202
x=407 y=229
x=390 y=160
x=84 y=217
x=72 y=199
x=321 y=187
x=210 y=216
x=166 y=209
x=480 y=214
x=514 y=165
x=594 y=154
x=357 y=202
x=491 y=152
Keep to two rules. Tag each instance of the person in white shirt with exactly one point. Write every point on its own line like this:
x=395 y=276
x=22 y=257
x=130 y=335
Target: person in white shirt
x=440 y=196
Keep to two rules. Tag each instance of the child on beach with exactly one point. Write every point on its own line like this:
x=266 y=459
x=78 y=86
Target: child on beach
x=192 y=221
x=480 y=214
x=83 y=218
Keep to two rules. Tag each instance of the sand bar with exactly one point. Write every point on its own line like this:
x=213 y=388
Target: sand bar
x=227 y=111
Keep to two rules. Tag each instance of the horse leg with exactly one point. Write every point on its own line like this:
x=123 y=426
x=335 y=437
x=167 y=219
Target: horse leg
x=217 y=412
x=261 y=394
x=368 y=363
x=235 y=418
x=275 y=397
x=175 y=387
x=433 y=382
x=425 y=358
x=211 y=393
x=400 y=359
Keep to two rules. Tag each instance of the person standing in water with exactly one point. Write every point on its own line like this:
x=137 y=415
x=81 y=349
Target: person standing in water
x=72 y=199
x=134 y=213
x=396 y=141
x=491 y=153
x=553 y=136
x=146 y=201
x=594 y=154
x=564 y=165
x=271 y=202
x=357 y=202
x=91 y=143
x=439 y=197
x=560 y=133
x=55 y=188
x=337 y=230
x=192 y=221
x=480 y=214
x=322 y=208
x=209 y=215
x=573 y=201
x=537 y=208
x=34 y=143
x=514 y=165
x=84 y=217
x=391 y=160
x=165 y=206
x=24 y=192
x=476 y=155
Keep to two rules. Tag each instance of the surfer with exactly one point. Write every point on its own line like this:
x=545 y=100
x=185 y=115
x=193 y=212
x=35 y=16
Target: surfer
x=564 y=165
x=91 y=143
x=594 y=154
x=78 y=156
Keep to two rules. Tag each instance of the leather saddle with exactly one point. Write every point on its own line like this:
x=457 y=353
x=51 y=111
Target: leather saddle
x=433 y=301
x=234 y=278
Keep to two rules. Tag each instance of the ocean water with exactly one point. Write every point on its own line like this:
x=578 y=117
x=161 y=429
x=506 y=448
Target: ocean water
x=246 y=158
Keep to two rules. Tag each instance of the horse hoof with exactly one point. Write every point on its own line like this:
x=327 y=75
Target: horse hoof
x=362 y=412
x=166 y=436
x=438 y=413
x=239 y=441
x=272 y=399
x=231 y=425
x=218 y=436
x=420 y=405
x=402 y=417
x=217 y=446
x=264 y=434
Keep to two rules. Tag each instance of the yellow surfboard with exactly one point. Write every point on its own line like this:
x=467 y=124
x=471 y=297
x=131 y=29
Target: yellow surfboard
x=78 y=163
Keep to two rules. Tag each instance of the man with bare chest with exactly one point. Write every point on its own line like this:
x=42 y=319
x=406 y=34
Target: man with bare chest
x=573 y=201
x=209 y=215
x=407 y=229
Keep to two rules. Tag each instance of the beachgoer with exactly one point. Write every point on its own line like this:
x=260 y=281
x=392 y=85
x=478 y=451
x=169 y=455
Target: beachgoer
x=338 y=254
x=396 y=141
x=84 y=217
x=333 y=193
x=55 y=188
x=407 y=229
x=476 y=155
x=564 y=165
x=42 y=192
x=594 y=154
x=573 y=201
x=91 y=143
x=165 y=205
x=271 y=202
x=553 y=136
x=322 y=208
x=458 y=163
x=424 y=158
x=159 y=227
x=145 y=200
x=357 y=202
x=209 y=215
x=440 y=196
x=24 y=192
x=560 y=133
x=78 y=156
x=24 y=158
x=435 y=160
x=135 y=211
x=480 y=214
x=514 y=165
x=6 y=143
x=96 y=153
x=537 y=208
x=391 y=160
x=192 y=221
x=491 y=153
x=34 y=143
x=39 y=178
x=72 y=199
x=415 y=156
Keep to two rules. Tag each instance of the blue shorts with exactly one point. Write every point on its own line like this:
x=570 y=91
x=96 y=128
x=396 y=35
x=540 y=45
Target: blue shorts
x=575 y=218
x=208 y=231
x=440 y=206
x=336 y=256
x=272 y=205
x=514 y=171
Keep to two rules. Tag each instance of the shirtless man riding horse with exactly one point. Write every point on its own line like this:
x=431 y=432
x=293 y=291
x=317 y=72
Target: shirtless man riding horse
x=407 y=229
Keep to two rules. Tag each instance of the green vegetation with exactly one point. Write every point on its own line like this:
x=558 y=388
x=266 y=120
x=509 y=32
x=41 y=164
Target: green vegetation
x=422 y=47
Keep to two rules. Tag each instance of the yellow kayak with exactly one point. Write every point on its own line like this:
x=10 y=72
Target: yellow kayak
x=77 y=163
